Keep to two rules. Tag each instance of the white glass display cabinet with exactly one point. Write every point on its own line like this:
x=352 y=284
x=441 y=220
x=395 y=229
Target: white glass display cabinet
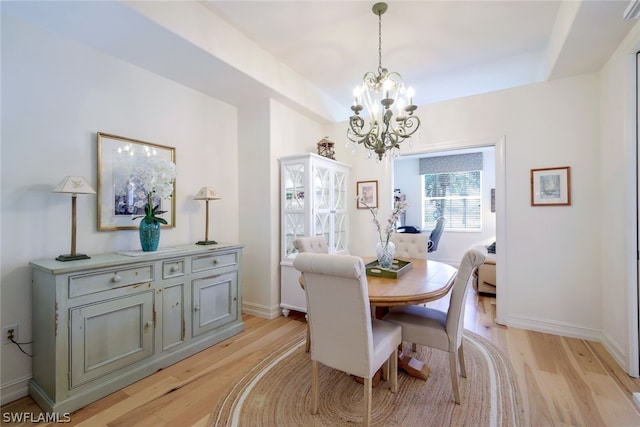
x=313 y=203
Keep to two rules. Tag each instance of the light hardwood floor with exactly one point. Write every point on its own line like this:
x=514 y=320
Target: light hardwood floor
x=563 y=381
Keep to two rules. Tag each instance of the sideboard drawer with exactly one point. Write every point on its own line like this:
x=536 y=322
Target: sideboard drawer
x=173 y=268
x=208 y=262
x=111 y=279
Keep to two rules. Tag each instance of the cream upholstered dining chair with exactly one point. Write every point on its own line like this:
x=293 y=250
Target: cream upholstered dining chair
x=437 y=329
x=311 y=244
x=410 y=245
x=344 y=336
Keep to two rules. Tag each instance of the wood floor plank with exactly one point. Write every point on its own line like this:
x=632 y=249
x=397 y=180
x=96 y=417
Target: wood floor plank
x=563 y=381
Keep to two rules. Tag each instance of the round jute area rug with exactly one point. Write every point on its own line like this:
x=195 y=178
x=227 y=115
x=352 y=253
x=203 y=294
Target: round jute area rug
x=277 y=392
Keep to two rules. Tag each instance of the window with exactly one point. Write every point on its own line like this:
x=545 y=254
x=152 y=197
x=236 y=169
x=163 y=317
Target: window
x=451 y=192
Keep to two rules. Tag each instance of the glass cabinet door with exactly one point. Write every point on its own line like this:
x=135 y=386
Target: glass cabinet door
x=340 y=231
x=294 y=187
x=340 y=191
x=293 y=204
x=322 y=187
x=294 y=228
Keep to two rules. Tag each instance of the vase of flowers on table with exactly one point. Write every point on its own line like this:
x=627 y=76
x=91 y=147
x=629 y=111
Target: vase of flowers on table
x=151 y=181
x=385 y=248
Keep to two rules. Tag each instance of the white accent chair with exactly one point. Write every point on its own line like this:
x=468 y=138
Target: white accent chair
x=311 y=244
x=344 y=335
x=410 y=245
x=437 y=329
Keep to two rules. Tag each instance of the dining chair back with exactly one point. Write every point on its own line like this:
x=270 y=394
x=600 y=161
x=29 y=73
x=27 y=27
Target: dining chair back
x=438 y=329
x=344 y=335
x=410 y=245
x=311 y=244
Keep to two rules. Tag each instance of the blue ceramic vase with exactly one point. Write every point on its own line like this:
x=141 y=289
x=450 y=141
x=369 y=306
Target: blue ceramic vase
x=149 y=235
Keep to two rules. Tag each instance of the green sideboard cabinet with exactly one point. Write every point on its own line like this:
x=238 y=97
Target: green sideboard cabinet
x=103 y=323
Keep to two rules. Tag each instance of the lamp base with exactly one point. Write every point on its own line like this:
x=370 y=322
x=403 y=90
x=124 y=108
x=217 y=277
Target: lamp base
x=207 y=242
x=72 y=257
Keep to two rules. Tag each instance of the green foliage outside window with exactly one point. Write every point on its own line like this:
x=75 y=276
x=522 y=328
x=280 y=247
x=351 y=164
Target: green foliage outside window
x=454 y=195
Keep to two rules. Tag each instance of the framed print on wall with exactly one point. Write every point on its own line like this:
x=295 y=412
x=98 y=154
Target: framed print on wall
x=551 y=186
x=119 y=199
x=367 y=192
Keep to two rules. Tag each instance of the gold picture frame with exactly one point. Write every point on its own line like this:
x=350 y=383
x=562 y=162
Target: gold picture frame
x=367 y=192
x=551 y=186
x=115 y=202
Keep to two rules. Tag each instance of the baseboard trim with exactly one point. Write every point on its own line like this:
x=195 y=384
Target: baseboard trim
x=14 y=390
x=261 y=310
x=615 y=351
x=555 y=328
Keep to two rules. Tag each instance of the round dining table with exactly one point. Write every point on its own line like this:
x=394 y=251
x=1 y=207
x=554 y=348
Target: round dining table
x=425 y=281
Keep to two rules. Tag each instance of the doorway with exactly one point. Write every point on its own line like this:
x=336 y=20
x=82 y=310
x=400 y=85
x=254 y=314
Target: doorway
x=496 y=149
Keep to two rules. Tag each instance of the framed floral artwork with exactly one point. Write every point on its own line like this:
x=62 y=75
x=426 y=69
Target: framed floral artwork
x=551 y=186
x=367 y=192
x=132 y=174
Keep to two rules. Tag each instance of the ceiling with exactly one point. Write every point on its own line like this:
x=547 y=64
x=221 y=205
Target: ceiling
x=444 y=49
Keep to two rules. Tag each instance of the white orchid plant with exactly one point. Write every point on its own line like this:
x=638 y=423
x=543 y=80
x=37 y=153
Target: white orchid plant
x=152 y=178
x=390 y=226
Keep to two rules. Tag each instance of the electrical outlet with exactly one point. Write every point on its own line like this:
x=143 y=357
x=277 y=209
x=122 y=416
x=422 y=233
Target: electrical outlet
x=5 y=333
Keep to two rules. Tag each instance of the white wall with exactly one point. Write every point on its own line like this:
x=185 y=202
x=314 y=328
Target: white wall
x=617 y=209
x=56 y=95
x=276 y=130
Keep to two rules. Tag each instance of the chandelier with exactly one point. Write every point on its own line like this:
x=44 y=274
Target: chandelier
x=383 y=95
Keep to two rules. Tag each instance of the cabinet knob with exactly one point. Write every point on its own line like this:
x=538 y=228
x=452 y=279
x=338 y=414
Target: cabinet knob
x=149 y=324
x=116 y=279
x=175 y=268
x=215 y=261
x=196 y=308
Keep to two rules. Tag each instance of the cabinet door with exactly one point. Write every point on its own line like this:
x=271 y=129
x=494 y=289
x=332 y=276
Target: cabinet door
x=173 y=315
x=340 y=216
x=110 y=335
x=323 y=205
x=293 y=205
x=214 y=302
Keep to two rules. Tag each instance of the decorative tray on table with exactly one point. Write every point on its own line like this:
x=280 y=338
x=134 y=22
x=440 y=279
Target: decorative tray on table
x=397 y=269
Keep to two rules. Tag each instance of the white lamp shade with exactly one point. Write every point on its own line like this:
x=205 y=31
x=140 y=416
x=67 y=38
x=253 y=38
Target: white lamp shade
x=75 y=185
x=206 y=193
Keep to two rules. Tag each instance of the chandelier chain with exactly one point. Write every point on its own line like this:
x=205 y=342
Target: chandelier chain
x=379 y=43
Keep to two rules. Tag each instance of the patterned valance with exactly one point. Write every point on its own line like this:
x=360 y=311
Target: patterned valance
x=454 y=163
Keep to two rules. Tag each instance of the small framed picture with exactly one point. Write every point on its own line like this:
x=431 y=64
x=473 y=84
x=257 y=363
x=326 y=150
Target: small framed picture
x=551 y=186
x=367 y=192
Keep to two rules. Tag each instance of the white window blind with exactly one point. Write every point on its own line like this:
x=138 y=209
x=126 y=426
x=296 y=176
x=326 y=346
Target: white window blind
x=452 y=188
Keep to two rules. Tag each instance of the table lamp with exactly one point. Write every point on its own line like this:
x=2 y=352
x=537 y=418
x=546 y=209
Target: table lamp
x=206 y=194
x=74 y=185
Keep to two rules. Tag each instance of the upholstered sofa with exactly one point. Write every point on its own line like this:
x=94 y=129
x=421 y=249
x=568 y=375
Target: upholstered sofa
x=484 y=279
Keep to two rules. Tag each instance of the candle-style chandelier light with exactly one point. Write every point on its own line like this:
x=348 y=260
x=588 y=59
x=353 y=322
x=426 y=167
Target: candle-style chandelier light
x=383 y=95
